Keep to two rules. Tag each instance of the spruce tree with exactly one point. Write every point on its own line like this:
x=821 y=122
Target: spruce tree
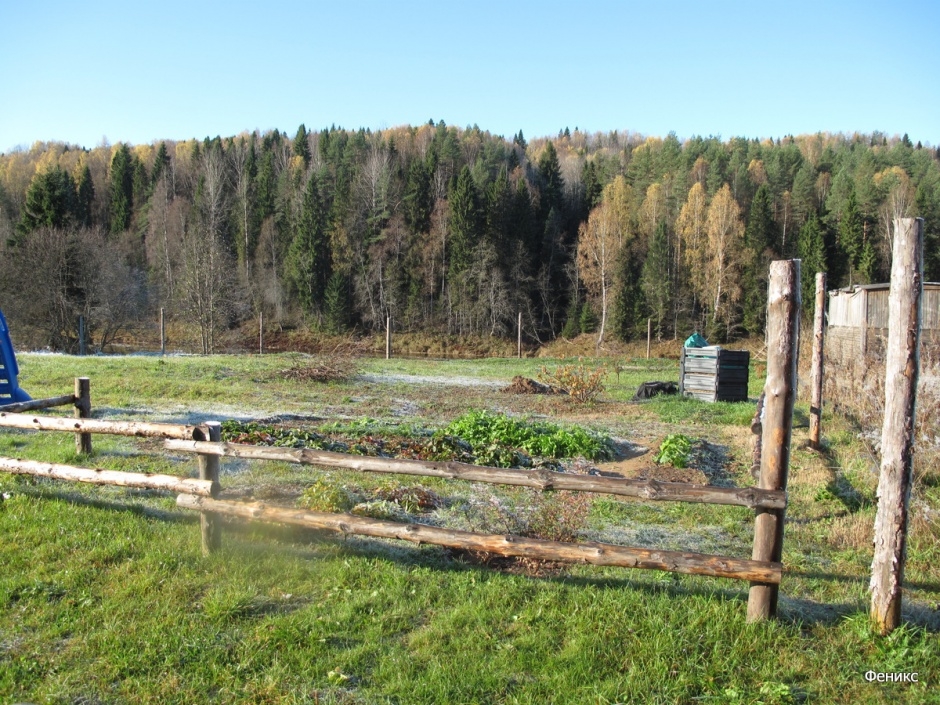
x=301 y=147
x=592 y=188
x=629 y=302
x=852 y=236
x=141 y=181
x=588 y=318
x=867 y=263
x=160 y=163
x=85 y=199
x=308 y=259
x=418 y=202
x=811 y=245
x=657 y=279
x=50 y=201
x=760 y=236
x=551 y=183
x=336 y=302
x=122 y=189
x=572 y=326
x=464 y=221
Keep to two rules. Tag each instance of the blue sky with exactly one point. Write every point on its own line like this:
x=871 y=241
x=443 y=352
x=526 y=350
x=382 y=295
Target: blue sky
x=142 y=71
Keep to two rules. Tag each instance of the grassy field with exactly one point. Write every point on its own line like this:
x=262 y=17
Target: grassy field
x=105 y=596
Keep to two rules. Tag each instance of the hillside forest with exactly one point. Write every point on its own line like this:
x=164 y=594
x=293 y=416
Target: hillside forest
x=447 y=230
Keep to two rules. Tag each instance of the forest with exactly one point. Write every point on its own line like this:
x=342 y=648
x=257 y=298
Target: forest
x=447 y=230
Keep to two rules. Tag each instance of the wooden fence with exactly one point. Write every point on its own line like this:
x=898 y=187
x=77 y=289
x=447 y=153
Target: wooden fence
x=202 y=495
x=768 y=500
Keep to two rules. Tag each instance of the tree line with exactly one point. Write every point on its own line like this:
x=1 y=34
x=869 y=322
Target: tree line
x=448 y=230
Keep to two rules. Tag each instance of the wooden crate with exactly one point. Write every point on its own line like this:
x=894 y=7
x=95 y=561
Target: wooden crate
x=714 y=374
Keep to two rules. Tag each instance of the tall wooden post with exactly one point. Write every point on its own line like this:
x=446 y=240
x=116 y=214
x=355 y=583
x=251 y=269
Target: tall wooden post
x=83 y=411
x=388 y=337
x=209 y=470
x=162 y=332
x=261 y=333
x=897 y=433
x=783 y=320
x=816 y=382
x=81 y=335
x=519 y=335
x=649 y=336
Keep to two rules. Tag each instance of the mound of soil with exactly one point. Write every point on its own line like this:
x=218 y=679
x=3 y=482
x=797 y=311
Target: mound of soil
x=524 y=385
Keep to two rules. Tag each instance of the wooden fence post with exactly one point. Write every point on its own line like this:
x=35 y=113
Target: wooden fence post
x=819 y=320
x=83 y=411
x=209 y=470
x=261 y=332
x=897 y=433
x=388 y=337
x=519 y=335
x=649 y=336
x=783 y=320
x=162 y=332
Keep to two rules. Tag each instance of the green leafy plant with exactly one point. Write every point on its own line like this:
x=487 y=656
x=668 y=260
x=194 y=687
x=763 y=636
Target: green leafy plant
x=497 y=438
x=674 y=450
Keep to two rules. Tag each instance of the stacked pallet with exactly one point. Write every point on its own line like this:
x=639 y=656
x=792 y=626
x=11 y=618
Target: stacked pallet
x=714 y=374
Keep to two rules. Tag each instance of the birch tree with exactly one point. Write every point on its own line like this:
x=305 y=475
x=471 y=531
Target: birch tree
x=690 y=226
x=600 y=240
x=725 y=244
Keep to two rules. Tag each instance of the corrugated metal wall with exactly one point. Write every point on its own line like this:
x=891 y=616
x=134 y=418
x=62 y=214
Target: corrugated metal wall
x=847 y=308
x=856 y=309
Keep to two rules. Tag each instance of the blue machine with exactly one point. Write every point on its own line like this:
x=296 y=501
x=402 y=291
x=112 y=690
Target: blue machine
x=10 y=392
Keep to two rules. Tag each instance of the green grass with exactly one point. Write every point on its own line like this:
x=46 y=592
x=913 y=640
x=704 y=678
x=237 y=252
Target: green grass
x=105 y=596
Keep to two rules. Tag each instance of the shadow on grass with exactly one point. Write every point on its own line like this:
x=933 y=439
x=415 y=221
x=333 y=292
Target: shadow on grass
x=315 y=544
x=75 y=498
x=798 y=611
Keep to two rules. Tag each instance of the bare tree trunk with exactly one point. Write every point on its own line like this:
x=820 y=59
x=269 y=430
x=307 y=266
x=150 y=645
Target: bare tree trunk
x=783 y=320
x=897 y=434
x=819 y=319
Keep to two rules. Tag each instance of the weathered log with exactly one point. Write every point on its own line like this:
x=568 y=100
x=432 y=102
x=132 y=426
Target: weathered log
x=539 y=479
x=816 y=382
x=36 y=404
x=97 y=476
x=588 y=552
x=897 y=433
x=116 y=428
x=783 y=319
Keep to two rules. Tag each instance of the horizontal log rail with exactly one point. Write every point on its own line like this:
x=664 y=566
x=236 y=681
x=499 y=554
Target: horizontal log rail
x=116 y=428
x=588 y=552
x=35 y=404
x=97 y=476
x=750 y=497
